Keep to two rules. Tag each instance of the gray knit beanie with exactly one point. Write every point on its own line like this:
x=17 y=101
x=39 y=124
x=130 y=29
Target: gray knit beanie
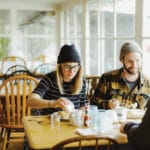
x=129 y=47
x=68 y=53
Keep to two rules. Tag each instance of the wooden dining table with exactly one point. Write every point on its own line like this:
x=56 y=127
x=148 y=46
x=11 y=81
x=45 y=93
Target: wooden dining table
x=42 y=134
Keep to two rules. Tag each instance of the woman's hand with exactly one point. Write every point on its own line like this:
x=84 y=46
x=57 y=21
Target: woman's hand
x=61 y=103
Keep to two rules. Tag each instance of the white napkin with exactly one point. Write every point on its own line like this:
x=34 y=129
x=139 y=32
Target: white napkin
x=86 y=131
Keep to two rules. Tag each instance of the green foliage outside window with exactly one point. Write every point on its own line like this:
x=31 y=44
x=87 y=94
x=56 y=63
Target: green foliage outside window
x=4 y=46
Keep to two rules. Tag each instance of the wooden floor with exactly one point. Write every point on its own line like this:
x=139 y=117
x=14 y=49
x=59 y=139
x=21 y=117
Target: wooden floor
x=14 y=145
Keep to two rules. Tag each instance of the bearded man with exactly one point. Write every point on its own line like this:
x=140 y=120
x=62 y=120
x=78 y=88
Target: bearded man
x=126 y=86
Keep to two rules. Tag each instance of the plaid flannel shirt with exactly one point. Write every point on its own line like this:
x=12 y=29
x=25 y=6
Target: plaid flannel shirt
x=113 y=85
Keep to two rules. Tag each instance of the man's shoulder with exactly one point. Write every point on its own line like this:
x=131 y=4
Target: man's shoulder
x=112 y=72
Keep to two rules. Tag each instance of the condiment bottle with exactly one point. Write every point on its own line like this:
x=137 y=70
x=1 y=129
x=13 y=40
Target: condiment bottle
x=86 y=118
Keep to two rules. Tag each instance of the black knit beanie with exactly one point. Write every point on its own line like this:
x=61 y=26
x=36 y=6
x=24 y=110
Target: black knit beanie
x=68 y=53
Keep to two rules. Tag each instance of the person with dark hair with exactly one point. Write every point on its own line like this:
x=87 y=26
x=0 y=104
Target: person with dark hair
x=64 y=86
x=138 y=134
x=127 y=86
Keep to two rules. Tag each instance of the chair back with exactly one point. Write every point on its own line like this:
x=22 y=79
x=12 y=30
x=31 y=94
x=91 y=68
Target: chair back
x=14 y=68
x=41 y=58
x=88 y=142
x=17 y=70
x=14 y=93
x=11 y=61
x=44 y=68
x=92 y=82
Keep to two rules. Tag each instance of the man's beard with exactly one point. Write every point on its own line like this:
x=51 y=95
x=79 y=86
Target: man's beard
x=130 y=71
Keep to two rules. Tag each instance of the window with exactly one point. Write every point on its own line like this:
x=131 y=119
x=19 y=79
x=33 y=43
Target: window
x=146 y=37
x=110 y=23
x=5 y=33
x=28 y=34
x=107 y=25
x=36 y=33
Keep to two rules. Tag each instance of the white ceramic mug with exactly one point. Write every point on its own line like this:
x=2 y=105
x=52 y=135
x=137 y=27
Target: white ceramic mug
x=76 y=117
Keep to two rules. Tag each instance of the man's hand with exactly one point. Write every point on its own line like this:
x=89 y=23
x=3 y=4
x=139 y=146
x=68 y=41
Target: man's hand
x=113 y=103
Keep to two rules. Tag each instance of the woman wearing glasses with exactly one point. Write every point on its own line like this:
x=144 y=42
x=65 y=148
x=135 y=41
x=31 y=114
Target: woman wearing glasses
x=63 y=86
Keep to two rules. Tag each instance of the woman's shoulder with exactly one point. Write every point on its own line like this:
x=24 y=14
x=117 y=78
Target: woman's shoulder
x=51 y=75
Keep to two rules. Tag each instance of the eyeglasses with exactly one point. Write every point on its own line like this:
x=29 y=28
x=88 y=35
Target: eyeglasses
x=69 y=67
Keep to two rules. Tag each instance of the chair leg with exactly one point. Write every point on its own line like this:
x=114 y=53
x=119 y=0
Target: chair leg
x=8 y=137
x=3 y=130
x=25 y=145
x=5 y=140
x=2 y=133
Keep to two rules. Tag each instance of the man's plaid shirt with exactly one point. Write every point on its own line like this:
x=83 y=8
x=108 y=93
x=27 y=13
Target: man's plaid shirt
x=113 y=85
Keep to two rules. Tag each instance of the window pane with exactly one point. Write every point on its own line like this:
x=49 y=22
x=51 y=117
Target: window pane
x=5 y=22
x=106 y=18
x=35 y=22
x=146 y=18
x=92 y=18
x=125 y=18
x=71 y=22
x=106 y=24
x=78 y=22
x=36 y=34
x=4 y=47
x=93 y=57
x=146 y=54
x=33 y=47
x=108 y=50
x=63 y=27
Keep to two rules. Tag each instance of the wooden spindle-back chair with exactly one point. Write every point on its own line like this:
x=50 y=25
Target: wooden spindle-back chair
x=14 y=93
x=44 y=68
x=9 y=61
x=87 y=143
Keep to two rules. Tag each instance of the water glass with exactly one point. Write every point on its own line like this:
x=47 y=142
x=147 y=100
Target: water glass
x=55 y=119
x=104 y=121
x=76 y=117
x=121 y=113
x=93 y=110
